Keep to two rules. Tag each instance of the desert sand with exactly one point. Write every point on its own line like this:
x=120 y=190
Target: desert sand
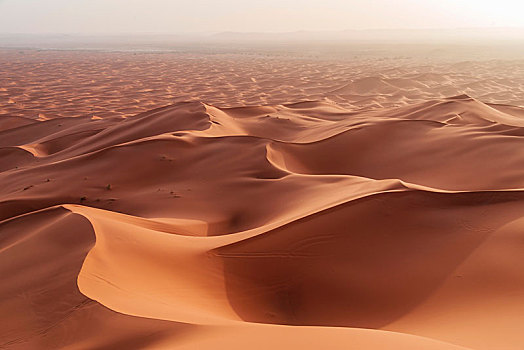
x=191 y=201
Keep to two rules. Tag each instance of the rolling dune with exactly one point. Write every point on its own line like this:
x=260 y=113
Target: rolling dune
x=384 y=212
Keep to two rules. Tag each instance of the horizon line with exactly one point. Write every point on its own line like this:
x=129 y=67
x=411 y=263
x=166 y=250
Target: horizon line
x=305 y=31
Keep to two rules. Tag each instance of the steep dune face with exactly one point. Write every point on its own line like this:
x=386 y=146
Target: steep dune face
x=300 y=225
x=41 y=254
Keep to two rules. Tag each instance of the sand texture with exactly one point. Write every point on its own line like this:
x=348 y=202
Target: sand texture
x=225 y=202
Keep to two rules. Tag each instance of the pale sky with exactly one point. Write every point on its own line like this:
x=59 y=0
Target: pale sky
x=189 y=16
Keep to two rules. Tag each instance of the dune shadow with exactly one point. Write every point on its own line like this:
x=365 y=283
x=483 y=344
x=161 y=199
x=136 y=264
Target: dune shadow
x=364 y=263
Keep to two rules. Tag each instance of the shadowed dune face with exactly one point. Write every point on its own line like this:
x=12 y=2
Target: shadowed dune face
x=449 y=157
x=339 y=267
x=378 y=214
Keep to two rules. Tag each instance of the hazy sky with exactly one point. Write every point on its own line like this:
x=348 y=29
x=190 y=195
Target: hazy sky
x=176 y=16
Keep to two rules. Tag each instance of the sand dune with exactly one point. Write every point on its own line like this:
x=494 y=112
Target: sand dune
x=379 y=212
x=49 y=84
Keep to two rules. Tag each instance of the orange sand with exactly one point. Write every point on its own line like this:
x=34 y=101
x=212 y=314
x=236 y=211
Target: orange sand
x=382 y=211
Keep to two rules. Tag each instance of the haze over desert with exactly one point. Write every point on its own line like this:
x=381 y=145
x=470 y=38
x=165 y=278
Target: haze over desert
x=308 y=189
